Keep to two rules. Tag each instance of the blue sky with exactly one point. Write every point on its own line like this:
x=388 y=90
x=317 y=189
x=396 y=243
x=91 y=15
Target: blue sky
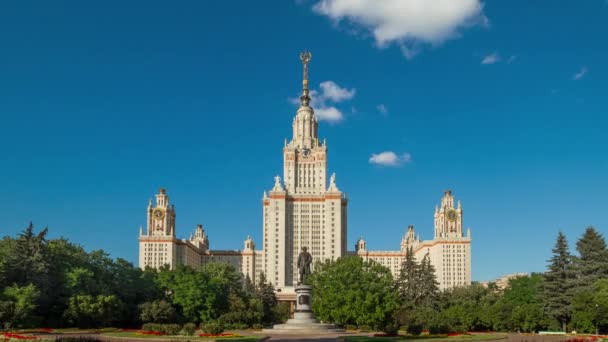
x=503 y=102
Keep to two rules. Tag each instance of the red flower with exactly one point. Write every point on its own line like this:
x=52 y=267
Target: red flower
x=8 y=336
x=156 y=333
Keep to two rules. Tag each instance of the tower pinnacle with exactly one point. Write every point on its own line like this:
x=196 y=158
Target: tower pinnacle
x=305 y=57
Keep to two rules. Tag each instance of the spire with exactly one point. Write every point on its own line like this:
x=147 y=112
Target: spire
x=305 y=57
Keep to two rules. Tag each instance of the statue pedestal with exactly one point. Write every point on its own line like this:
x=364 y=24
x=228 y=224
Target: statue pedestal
x=303 y=320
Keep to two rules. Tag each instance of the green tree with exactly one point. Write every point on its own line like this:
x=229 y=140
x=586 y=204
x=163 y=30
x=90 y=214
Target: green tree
x=86 y=311
x=558 y=283
x=428 y=288
x=353 y=291
x=19 y=306
x=158 y=311
x=583 y=311
x=592 y=263
x=408 y=280
x=462 y=308
x=265 y=293
x=600 y=301
x=419 y=291
x=522 y=304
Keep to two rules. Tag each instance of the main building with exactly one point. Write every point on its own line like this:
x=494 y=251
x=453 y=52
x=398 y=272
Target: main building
x=303 y=210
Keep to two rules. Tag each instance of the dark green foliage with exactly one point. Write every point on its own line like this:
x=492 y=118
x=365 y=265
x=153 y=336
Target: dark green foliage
x=418 y=291
x=414 y=329
x=558 y=283
x=391 y=329
x=212 y=327
x=171 y=329
x=428 y=287
x=168 y=329
x=88 y=311
x=74 y=287
x=265 y=293
x=281 y=312
x=408 y=281
x=353 y=291
x=151 y=327
x=592 y=262
x=189 y=329
x=158 y=311
x=439 y=328
x=18 y=305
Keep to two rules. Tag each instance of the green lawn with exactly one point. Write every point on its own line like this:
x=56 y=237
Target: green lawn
x=130 y=334
x=474 y=337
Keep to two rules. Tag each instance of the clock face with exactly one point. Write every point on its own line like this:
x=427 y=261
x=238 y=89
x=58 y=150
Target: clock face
x=158 y=213
x=452 y=215
x=305 y=152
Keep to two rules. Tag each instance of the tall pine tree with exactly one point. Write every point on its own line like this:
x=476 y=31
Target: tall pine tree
x=592 y=263
x=428 y=287
x=558 y=283
x=265 y=292
x=408 y=281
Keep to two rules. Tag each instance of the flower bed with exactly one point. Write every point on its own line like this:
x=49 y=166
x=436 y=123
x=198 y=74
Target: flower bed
x=584 y=339
x=11 y=336
x=156 y=333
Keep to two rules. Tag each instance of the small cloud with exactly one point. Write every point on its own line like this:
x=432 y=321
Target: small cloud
x=330 y=114
x=382 y=109
x=333 y=92
x=580 y=74
x=390 y=158
x=511 y=59
x=490 y=59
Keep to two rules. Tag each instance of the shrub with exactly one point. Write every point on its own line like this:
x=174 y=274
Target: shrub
x=171 y=329
x=392 y=329
x=437 y=329
x=235 y=326
x=365 y=328
x=213 y=327
x=257 y=326
x=189 y=329
x=159 y=311
x=152 y=327
x=351 y=327
x=414 y=329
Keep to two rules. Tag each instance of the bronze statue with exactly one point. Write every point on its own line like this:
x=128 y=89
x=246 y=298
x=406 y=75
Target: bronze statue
x=304 y=261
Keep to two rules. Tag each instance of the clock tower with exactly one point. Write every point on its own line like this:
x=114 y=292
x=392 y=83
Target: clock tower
x=161 y=217
x=448 y=219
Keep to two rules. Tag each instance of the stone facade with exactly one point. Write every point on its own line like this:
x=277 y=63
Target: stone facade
x=302 y=210
x=449 y=251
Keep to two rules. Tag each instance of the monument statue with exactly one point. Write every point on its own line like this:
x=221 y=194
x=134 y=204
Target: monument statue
x=304 y=261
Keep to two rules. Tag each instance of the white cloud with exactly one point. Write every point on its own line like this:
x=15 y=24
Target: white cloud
x=491 y=59
x=511 y=59
x=323 y=101
x=331 y=114
x=407 y=23
x=331 y=91
x=382 y=109
x=580 y=74
x=390 y=158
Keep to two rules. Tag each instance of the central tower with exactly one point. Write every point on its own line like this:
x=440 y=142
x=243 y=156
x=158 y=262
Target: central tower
x=302 y=210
